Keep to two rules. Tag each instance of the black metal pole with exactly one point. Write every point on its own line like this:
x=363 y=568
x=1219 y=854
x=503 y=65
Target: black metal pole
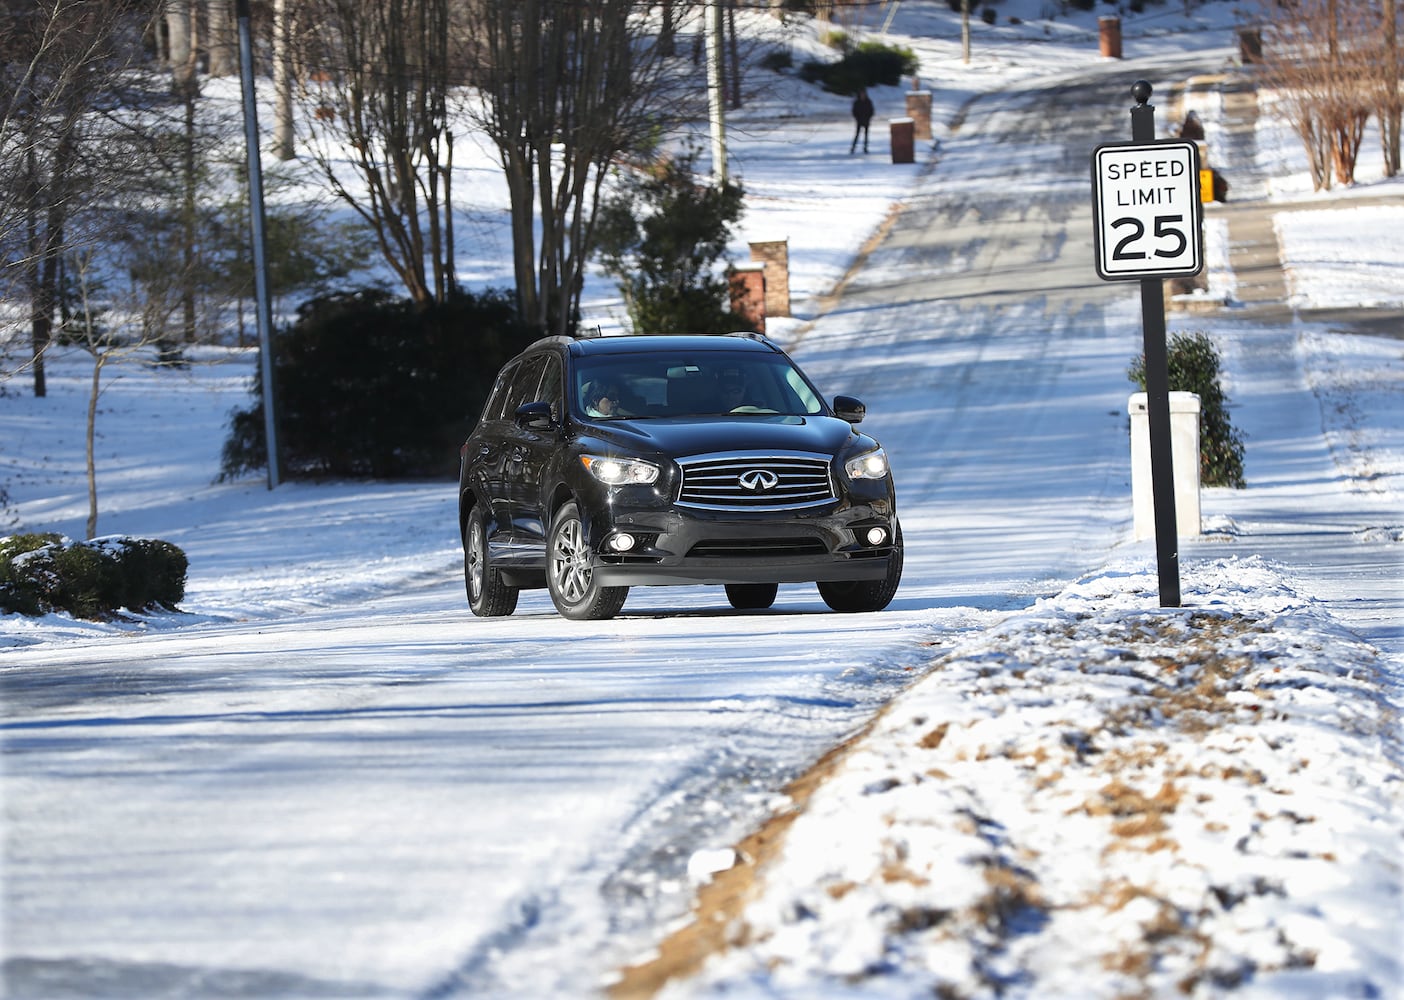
x=1167 y=538
x=257 y=223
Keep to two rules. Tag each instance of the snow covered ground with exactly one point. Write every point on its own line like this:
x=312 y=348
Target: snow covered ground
x=1086 y=794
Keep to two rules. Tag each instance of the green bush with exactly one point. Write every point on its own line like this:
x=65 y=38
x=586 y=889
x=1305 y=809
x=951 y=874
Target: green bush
x=151 y=572
x=40 y=573
x=871 y=64
x=660 y=235
x=369 y=386
x=777 y=60
x=1193 y=364
x=26 y=573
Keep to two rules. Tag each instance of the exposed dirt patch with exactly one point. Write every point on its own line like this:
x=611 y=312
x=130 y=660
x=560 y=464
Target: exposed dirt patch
x=716 y=915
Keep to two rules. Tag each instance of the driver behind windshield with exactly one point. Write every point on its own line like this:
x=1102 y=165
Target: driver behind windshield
x=601 y=400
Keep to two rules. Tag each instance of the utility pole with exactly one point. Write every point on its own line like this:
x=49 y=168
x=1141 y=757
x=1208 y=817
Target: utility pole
x=257 y=221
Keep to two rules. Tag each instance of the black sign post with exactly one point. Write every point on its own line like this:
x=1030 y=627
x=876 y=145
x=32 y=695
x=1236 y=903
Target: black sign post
x=1149 y=220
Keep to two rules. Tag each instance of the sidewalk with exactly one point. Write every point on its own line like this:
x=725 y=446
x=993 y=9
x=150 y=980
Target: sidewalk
x=1254 y=254
x=1347 y=548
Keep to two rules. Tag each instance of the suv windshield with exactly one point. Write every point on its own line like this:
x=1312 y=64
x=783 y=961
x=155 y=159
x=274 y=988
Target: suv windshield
x=683 y=385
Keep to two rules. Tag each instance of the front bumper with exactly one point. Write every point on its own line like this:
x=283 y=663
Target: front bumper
x=694 y=547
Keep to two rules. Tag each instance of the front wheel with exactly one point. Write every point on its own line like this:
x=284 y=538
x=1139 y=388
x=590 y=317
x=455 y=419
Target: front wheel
x=751 y=596
x=570 y=575
x=867 y=595
x=488 y=596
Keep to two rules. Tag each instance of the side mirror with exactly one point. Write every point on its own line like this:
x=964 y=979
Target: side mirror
x=850 y=408
x=534 y=416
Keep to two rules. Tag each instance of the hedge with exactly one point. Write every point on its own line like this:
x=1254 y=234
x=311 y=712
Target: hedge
x=43 y=573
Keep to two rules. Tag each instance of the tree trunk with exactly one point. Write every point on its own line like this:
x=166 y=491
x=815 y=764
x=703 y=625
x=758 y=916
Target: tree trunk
x=39 y=320
x=283 y=143
x=189 y=221
x=46 y=250
x=667 y=31
x=91 y=434
x=1390 y=113
x=965 y=30
x=179 y=28
x=734 y=77
x=222 y=44
x=521 y=196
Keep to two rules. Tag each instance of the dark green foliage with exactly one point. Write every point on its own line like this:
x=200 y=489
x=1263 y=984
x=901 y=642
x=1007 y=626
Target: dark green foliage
x=40 y=573
x=871 y=64
x=1192 y=364
x=150 y=572
x=372 y=386
x=988 y=15
x=22 y=586
x=660 y=235
x=777 y=60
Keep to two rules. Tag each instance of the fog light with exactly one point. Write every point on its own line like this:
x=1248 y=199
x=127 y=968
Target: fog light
x=622 y=542
x=876 y=536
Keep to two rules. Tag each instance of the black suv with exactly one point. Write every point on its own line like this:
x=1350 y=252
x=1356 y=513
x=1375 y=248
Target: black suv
x=602 y=464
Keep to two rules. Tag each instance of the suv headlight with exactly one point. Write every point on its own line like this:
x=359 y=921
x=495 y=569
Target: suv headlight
x=620 y=471
x=872 y=465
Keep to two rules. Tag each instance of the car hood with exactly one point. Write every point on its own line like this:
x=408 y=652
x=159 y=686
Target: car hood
x=679 y=437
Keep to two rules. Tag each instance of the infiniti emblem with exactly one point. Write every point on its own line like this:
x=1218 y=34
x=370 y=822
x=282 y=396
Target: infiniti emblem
x=758 y=480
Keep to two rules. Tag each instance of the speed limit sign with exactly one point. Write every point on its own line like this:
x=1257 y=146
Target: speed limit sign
x=1146 y=207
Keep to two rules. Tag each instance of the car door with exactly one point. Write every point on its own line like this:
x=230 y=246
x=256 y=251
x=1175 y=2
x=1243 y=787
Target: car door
x=490 y=446
x=536 y=447
x=519 y=445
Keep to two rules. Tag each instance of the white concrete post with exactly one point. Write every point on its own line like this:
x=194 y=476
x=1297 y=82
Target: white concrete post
x=1184 y=450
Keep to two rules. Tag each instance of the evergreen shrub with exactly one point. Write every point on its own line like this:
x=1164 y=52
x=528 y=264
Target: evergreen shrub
x=871 y=64
x=371 y=386
x=777 y=60
x=660 y=235
x=45 y=572
x=1193 y=365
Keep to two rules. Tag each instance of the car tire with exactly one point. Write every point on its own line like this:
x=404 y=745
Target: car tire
x=867 y=595
x=751 y=596
x=488 y=596
x=570 y=576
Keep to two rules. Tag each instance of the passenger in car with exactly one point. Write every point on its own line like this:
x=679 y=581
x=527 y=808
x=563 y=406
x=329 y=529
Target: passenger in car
x=600 y=400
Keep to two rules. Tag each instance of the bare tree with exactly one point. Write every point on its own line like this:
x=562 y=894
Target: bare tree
x=1387 y=76
x=60 y=61
x=568 y=86
x=383 y=93
x=105 y=344
x=1320 y=56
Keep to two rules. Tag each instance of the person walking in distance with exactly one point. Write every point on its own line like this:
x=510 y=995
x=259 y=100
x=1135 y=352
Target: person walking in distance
x=862 y=116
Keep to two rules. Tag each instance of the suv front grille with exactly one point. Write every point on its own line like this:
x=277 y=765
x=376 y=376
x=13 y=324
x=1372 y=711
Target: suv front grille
x=755 y=482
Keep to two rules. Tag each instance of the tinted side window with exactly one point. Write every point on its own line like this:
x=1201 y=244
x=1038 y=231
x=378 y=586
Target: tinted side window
x=550 y=388
x=496 y=405
x=524 y=385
